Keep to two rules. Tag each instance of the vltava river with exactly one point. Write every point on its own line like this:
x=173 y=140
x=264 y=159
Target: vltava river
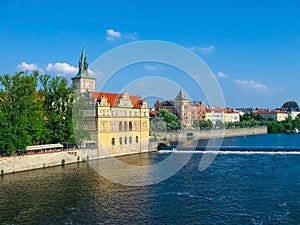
x=234 y=189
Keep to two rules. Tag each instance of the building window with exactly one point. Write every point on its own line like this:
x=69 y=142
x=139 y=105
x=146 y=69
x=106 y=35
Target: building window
x=130 y=126
x=137 y=139
x=113 y=141
x=120 y=141
x=145 y=114
x=120 y=126
x=130 y=140
x=136 y=126
x=103 y=126
x=125 y=140
x=113 y=127
x=125 y=126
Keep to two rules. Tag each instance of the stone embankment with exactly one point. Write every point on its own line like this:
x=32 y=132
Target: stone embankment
x=218 y=133
x=14 y=164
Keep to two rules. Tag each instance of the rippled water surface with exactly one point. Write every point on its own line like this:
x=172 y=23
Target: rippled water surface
x=235 y=189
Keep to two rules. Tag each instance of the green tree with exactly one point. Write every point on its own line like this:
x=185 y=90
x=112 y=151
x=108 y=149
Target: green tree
x=290 y=106
x=58 y=102
x=19 y=110
x=157 y=125
x=219 y=124
x=171 y=120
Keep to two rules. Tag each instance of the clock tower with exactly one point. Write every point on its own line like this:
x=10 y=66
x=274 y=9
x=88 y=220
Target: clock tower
x=83 y=82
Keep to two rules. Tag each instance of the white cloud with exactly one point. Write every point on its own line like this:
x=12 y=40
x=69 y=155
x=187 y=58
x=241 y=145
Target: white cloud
x=222 y=75
x=150 y=68
x=111 y=35
x=252 y=85
x=203 y=50
x=62 y=68
x=25 y=66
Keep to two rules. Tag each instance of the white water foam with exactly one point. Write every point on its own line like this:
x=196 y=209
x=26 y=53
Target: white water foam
x=232 y=152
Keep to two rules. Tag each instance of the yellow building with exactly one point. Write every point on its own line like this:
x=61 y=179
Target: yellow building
x=272 y=114
x=122 y=122
x=294 y=114
x=118 y=123
x=231 y=116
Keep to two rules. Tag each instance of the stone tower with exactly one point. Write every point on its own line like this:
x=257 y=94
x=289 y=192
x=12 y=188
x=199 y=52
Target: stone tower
x=83 y=82
x=182 y=106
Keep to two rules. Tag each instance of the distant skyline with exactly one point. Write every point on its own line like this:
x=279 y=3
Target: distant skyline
x=252 y=47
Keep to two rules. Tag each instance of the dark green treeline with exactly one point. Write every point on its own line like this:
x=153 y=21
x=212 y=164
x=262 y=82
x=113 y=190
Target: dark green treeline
x=34 y=109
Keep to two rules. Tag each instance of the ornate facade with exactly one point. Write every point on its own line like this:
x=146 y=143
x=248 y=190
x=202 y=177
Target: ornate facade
x=118 y=123
x=187 y=111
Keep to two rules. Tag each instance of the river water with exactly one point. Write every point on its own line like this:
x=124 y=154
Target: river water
x=234 y=189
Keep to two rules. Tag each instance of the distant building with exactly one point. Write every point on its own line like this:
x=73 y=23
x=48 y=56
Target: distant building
x=189 y=111
x=231 y=116
x=277 y=115
x=294 y=114
x=117 y=122
x=215 y=114
x=186 y=110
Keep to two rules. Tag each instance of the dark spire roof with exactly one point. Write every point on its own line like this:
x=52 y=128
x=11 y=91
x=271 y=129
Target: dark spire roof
x=181 y=96
x=83 y=65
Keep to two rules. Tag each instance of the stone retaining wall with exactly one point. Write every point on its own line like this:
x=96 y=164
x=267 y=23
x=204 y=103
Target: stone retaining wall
x=14 y=164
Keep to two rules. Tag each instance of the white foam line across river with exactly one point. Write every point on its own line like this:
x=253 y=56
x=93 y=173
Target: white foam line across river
x=232 y=152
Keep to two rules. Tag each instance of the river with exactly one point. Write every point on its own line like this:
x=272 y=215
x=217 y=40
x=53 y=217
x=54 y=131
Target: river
x=234 y=189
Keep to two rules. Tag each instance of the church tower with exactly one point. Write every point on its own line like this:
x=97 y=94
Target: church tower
x=83 y=82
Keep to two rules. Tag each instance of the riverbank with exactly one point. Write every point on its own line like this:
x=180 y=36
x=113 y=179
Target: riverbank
x=21 y=163
x=15 y=164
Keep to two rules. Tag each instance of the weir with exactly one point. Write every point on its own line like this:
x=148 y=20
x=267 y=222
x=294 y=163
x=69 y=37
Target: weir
x=231 y=152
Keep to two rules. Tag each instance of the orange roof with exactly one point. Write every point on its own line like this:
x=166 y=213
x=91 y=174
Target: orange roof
x=113 y=99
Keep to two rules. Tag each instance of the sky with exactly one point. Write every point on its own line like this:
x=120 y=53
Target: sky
x=252 y=47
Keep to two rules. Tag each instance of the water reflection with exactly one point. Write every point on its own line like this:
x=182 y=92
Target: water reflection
x=74 y=194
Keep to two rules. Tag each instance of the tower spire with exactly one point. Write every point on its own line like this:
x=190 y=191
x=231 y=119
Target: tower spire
x=83 y=64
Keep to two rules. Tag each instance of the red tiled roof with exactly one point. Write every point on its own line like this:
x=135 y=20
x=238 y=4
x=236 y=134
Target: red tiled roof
x=113 y=99
x=269 y=112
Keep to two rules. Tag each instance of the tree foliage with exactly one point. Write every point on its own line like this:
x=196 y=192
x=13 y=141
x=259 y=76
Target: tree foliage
x=203 y=124
x=167 y=119
x=34 y=109
x=290 y=106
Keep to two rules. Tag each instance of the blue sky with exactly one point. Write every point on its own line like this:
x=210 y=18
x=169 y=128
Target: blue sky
x=253 y=47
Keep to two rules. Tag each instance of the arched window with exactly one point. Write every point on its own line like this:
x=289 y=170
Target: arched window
x=130 y=140
x=113 y=141
x=125 y=126
x=120 y=126
x=103 y=126
x=113 y=126
x=120 y=141
x=125 y=140
x=145 y=113
x=137 y=139
x=130 y=126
